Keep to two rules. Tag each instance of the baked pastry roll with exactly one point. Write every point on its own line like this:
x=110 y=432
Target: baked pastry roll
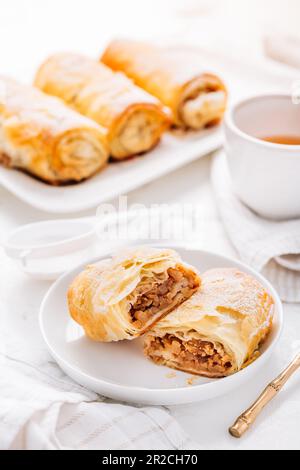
x=217 y=331
x=196 y=97
x=121 y=297
x=42 y=136
x=135 y=120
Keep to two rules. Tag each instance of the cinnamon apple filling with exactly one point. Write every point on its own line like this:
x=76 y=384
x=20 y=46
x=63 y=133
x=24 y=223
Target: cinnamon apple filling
x=137 y=133
x=204 y=110
x=194 y=356
x=159 y=298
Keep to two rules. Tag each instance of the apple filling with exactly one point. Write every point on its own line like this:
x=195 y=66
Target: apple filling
x=159 y=298
x=194 y=356
x=138 y=133
x=204 y=110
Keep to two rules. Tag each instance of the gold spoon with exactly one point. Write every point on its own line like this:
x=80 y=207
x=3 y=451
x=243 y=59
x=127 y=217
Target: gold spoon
x=246 y=419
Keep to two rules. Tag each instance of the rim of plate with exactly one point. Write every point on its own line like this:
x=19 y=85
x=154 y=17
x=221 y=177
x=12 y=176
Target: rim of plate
x=116 y=387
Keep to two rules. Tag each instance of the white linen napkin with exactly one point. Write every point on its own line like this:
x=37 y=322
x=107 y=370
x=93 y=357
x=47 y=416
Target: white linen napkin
x=42 y=409
x=258 y=241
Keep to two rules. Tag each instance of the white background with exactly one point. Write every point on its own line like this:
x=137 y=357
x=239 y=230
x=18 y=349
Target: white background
x=32 y=29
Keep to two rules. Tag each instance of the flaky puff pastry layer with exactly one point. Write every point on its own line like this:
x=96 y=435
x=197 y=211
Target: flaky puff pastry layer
x=41 y=135
x=196 y=97
x=102 y=296
x=135 y=120
x=228 y=317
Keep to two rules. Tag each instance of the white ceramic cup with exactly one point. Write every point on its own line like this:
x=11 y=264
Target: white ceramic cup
x=265 y=176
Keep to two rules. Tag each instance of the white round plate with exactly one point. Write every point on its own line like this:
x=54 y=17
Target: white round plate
x=119 y=370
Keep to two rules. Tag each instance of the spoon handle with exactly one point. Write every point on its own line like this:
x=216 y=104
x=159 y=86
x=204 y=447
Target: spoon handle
x=244 y=421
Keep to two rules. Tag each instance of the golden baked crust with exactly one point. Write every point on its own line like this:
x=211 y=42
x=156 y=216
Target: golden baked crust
x=196 y=97
x=134 y=119
x=42 y=136
x=121 y=297
x=218 y=329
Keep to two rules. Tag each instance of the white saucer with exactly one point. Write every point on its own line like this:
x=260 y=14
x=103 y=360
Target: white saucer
x=119 y=370
x=291 y=262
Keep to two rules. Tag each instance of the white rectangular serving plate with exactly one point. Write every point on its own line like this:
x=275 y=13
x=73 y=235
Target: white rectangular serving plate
x=174 y=151
x=116 y=179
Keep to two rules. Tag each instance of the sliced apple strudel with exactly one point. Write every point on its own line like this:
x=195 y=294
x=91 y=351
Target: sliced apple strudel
x=196 y=96
x=218 y=330
x=122 y=297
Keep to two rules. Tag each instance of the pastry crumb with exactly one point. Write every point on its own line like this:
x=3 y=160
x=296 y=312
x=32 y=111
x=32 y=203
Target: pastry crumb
x=192 y=380
x=172 y=375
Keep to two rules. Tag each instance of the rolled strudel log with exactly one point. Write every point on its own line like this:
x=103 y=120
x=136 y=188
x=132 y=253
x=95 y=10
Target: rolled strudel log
x=135 y=120
x=196 y=96
x=39 y=134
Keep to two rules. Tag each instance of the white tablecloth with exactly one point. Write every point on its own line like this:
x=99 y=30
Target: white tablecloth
x=205 y=423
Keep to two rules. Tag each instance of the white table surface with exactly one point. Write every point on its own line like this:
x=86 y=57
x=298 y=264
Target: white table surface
x=207 y=423
x=20 y=297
